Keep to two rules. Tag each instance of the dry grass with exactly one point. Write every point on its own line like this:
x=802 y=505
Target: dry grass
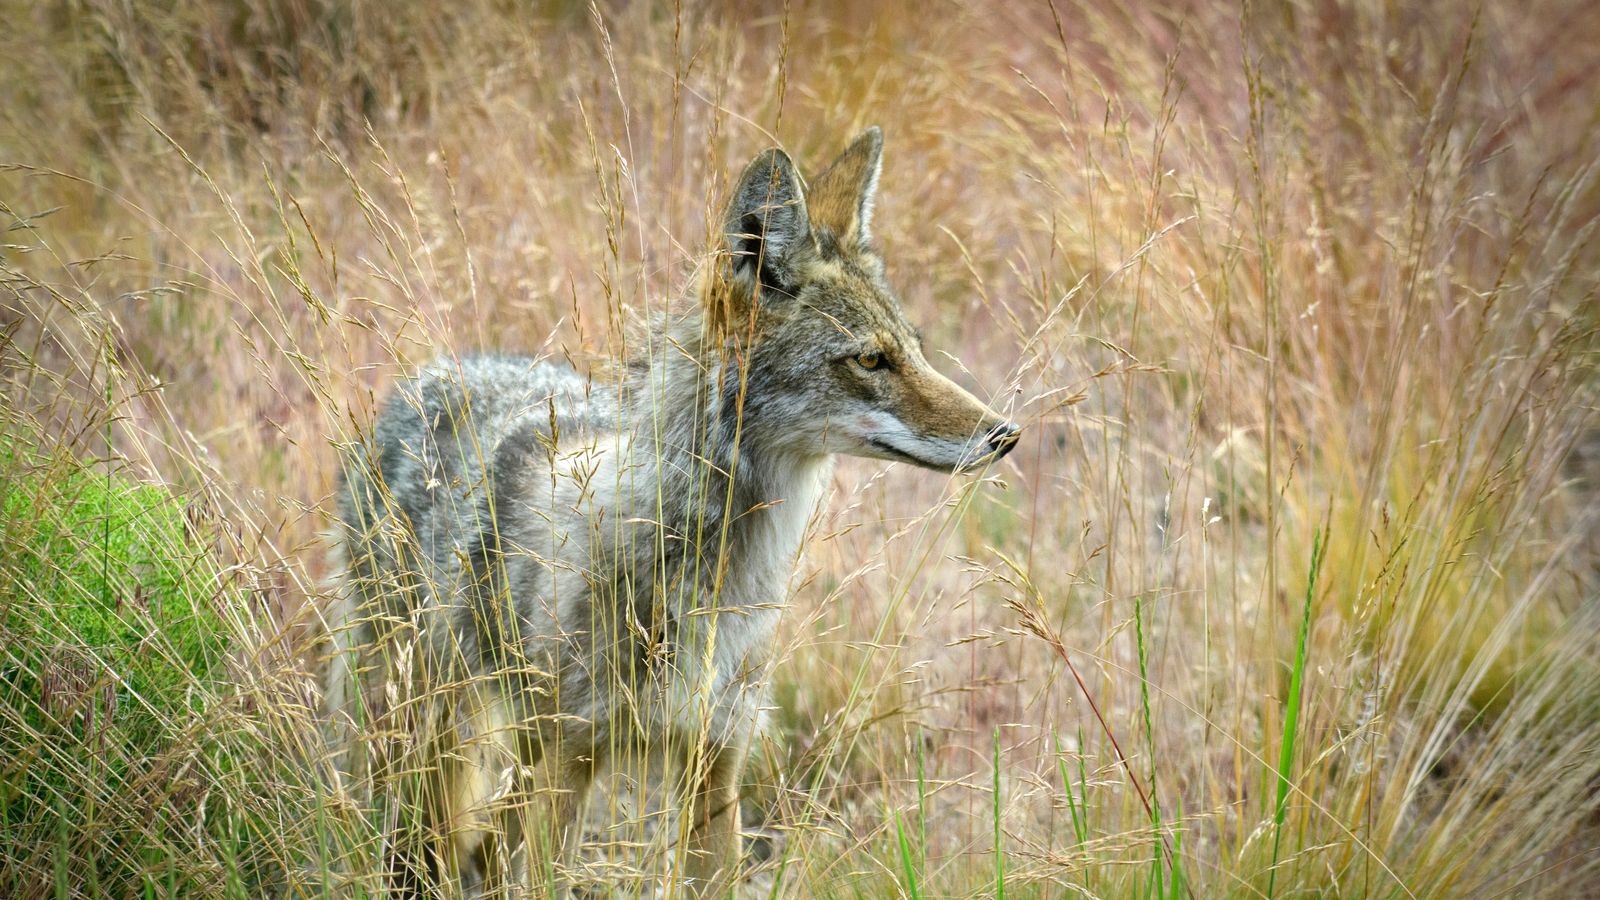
x=1246 y=274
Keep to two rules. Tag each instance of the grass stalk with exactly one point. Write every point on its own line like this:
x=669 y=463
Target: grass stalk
x=1291 y=715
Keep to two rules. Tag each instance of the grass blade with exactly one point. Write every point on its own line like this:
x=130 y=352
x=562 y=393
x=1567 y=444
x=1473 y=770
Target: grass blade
x=1291 y=717
x=905 y=859
x=999 y=848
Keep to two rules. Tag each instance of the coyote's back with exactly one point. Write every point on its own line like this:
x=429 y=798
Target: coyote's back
x=416 y=500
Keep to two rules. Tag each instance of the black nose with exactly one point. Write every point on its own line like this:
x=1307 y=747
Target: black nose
x=1003 y=438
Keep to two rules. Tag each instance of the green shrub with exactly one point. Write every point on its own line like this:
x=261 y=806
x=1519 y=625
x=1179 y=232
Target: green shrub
x=111 y=647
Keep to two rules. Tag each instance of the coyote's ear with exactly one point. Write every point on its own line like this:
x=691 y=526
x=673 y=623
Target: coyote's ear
x=841 y=198
x=767 y=227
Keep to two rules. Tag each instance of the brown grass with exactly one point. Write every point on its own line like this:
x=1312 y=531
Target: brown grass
x=1244 y=273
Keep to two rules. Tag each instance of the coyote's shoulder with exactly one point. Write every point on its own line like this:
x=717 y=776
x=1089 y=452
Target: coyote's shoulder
x=568 y=566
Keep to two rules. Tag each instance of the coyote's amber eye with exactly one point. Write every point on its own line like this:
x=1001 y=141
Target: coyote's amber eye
x=870 y=360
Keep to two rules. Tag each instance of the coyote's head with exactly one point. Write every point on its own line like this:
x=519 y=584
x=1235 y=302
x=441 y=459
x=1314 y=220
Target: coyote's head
x=832 y=365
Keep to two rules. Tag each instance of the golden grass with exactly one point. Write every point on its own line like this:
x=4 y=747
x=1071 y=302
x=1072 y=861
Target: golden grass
x=1243 y=272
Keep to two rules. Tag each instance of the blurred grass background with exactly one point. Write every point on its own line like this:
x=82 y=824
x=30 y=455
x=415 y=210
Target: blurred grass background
x=1266 y=283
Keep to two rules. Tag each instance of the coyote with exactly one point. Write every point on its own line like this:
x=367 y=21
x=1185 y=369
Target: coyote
x=584 y=565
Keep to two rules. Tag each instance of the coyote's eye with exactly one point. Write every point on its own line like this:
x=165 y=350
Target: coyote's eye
x=872 y=359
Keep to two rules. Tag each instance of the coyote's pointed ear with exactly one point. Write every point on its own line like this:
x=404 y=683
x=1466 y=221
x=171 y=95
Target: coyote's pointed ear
x=841 y=198
x=767 y=227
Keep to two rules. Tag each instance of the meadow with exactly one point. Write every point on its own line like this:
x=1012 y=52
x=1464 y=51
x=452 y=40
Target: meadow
x=1292 y=587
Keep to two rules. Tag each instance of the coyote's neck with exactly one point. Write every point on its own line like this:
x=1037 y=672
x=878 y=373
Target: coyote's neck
x=720 y=513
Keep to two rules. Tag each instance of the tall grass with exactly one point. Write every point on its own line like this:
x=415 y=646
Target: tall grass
x=1247 y=274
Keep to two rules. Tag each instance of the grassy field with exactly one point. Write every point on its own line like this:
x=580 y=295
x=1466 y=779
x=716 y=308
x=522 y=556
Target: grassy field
x=1292 y=588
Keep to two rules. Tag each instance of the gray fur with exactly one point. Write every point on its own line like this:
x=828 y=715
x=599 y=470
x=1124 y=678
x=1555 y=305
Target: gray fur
x=516 y=556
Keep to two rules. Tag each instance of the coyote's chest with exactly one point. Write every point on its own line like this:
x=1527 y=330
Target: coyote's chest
x=725 y=647
x=709 y=591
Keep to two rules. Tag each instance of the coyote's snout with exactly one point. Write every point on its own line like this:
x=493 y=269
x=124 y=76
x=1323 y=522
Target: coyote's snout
x=544 y=571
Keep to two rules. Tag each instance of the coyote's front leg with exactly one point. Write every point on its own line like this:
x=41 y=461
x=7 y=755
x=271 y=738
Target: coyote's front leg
x=475 y=781
x=513 y=799
x=710 y=824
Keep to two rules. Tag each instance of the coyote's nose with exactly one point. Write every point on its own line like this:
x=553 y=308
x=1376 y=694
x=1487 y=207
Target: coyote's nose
x=1002 y=439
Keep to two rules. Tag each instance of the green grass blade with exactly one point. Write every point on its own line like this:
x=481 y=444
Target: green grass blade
x=905 y=859
x=1066 y=785
x=1291 y=717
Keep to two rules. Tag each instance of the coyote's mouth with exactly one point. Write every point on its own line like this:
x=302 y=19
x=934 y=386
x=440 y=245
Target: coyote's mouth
x=998 y=445
x=896 y=453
